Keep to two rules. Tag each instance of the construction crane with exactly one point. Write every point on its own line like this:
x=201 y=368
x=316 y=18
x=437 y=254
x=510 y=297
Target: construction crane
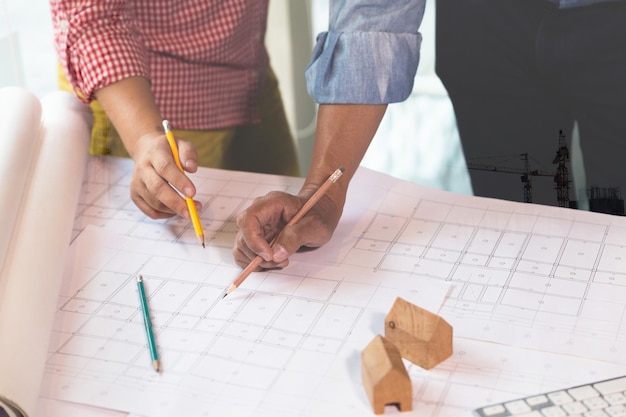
x=561 y=178
x=560 y=175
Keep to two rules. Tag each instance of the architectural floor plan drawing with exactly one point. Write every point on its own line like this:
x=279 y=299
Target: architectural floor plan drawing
x=288 y=342
x=282 y=336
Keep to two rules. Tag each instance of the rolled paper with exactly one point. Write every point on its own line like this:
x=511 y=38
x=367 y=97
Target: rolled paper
x=36 y=256
x=20 y=132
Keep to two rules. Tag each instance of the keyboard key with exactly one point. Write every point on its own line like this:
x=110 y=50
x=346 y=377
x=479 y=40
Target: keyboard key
x=537 y=400
x=615 y=398
x=553 y=411
x=616 y=410
x=560 y=397
x=574 y=408
x=596 y=413
x=584 y=392
x=596 y=399
x=517 y=407
x=611 y=386
x=494 y=410
x=595 y=403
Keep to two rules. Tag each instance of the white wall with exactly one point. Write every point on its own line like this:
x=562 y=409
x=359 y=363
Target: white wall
x=33 y=60
x=289 y=42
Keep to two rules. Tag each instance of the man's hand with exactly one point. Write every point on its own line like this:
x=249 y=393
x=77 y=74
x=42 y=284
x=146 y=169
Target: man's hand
x=265 y=221
x=343 y=134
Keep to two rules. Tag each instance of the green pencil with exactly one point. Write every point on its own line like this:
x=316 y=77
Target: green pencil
x=148 y=323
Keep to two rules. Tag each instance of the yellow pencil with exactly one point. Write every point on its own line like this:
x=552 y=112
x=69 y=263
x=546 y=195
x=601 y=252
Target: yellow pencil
x=300 y=214
x=197 y=226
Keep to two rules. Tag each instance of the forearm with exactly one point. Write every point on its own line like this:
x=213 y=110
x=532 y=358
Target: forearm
x=131 y=107
x=129 y=104
x=344 y=132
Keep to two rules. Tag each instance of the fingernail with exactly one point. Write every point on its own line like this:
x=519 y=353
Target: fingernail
x=191 y=165
x=280 y=253
x=188 y=191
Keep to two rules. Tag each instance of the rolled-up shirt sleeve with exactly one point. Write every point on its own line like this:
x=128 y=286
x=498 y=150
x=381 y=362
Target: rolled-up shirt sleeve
x=96 y=44
x=370 y=53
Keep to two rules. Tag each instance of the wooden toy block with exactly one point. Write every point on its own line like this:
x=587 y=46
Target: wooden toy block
x=385 y=378
x=422 y=337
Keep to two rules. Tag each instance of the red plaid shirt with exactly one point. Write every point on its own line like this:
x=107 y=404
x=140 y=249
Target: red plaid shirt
x=206 y=59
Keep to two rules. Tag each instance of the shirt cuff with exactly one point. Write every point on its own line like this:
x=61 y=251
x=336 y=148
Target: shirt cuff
x=95 y=64
x=363 y=67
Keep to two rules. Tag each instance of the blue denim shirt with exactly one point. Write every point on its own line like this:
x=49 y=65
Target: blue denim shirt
x=370 y=52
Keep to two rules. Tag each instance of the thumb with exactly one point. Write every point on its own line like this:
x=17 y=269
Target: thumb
x=188 y=156
x=280 y=254
x=286 y=244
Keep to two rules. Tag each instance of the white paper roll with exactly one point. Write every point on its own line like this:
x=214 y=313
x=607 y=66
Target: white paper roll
x=34 y=265
x=20 y=120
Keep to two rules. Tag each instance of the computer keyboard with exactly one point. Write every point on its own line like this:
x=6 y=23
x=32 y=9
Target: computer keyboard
x=597 y=399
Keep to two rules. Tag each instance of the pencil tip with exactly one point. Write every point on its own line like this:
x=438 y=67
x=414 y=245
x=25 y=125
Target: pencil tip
x=157 y=366
x=203 y=245
x=229 y=290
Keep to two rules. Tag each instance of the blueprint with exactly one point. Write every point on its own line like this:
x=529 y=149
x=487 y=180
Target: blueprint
x=534 y=295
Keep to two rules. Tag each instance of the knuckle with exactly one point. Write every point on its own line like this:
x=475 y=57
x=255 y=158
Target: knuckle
x=161 y=165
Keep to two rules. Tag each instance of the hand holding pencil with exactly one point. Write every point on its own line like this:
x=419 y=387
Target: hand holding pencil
x=256 y=262
x=191 y=206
